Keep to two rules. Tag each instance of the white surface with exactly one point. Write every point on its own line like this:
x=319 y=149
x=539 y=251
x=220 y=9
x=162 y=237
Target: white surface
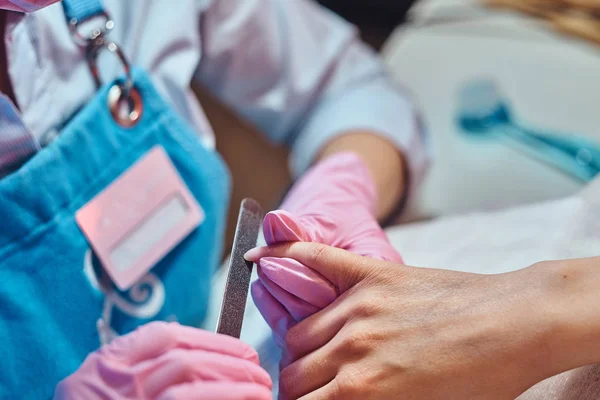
x=490 y=242
x=551 y=82
x=507 y=240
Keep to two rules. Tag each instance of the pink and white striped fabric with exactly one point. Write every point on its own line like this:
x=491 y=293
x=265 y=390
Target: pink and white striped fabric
x=16 y=142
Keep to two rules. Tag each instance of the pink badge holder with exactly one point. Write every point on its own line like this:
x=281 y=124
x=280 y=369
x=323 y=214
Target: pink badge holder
x=137 y=220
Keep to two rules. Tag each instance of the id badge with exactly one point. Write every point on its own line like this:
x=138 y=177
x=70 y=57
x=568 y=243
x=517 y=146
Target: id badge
x=137 y=220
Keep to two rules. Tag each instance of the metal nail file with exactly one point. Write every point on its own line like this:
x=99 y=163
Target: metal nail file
x=240 y=270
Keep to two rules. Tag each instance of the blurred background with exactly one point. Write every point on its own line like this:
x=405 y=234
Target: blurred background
x=509 y=92
x=376 y=19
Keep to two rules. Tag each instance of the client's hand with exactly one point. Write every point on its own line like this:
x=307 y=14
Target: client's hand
x=412 y=333
x=169 y=361
x=335 y=204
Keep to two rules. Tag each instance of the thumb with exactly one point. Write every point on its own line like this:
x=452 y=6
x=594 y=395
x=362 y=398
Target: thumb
x=340 y=267
x=281 y=226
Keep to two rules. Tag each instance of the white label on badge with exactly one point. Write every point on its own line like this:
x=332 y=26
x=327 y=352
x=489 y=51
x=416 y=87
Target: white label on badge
x=149 y=233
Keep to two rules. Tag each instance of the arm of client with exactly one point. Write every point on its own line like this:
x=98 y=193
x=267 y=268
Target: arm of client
x=436 y=334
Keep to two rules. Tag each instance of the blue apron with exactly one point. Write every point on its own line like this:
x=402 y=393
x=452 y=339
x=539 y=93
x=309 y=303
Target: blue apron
x=50 y=298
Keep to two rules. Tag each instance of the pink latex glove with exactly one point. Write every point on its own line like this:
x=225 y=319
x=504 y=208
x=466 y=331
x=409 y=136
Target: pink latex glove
x=335 y=204
x=169 y=361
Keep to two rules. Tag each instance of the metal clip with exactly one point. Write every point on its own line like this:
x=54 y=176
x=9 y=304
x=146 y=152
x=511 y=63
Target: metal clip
x=96 y=33
x=124 y=100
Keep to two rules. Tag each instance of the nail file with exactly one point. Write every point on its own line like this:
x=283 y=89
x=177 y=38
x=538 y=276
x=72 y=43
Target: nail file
x=240 y=270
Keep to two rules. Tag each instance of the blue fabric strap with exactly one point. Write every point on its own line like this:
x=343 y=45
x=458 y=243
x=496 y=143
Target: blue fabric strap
x=82 y=10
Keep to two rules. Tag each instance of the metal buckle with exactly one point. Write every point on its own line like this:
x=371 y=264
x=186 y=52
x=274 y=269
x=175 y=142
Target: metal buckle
x=100 y=44
x=124 y=100
x=96 y=32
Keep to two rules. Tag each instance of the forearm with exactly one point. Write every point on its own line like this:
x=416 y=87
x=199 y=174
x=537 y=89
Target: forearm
x=536 y=322
x=572 y=288
x=383 y=159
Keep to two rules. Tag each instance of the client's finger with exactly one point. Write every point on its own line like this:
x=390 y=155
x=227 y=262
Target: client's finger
x=317 y=330
x=327 y=392
x=321 y=366
x=276 y=316
x=340 y=267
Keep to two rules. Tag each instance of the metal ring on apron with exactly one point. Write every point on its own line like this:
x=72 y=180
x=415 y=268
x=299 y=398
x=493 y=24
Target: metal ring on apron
x=124 y=100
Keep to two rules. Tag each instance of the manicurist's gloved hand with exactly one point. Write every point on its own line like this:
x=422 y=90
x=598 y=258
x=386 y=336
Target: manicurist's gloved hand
x=335 y=204
x=169 y=361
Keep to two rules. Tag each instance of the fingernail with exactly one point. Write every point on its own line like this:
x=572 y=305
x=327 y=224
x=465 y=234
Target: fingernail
x=253 y=254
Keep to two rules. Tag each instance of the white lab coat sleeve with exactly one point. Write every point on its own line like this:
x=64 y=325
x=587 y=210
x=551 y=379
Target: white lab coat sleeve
x=302 y=75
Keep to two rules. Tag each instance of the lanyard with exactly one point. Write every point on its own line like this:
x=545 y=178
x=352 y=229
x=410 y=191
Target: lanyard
x=78 y=11
x=124 y=102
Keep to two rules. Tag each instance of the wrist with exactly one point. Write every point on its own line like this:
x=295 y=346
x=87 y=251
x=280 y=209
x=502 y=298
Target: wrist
x=350 y=177
x=383 y=163
x=569 y=304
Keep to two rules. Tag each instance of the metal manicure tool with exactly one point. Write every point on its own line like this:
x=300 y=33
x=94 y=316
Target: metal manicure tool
x=240 y=270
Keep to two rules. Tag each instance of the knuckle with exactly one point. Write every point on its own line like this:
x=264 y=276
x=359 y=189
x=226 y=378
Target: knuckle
x=366 y=308
x=353 y=343
x=181 y=361
x=350 y=385
x=160 y=332
x=318 y=254
x=250 y=354
x=293 y=339
x=359 y=381
x=358 y=342
x=159 y=328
